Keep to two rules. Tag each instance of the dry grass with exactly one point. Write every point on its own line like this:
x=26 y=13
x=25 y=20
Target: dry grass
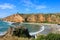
x=14 y=38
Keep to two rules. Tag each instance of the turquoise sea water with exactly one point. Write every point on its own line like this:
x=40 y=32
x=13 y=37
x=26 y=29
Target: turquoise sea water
x=31 y=27
x=3 y=26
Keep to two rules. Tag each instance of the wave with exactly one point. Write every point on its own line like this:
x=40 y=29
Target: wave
x=9 y=22
x=34 y=33
x=2 y=33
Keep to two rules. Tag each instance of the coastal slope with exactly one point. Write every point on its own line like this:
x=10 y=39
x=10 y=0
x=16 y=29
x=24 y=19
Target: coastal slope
x=34 y=18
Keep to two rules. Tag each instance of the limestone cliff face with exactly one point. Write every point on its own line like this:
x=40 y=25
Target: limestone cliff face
x=58 y=20
x=33 y=18
x=49 y=19
x=53 y=18
x=14 y=18
x=40 y=18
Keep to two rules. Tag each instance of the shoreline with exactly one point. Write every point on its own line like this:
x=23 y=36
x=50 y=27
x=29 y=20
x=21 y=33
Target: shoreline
x=3 y=33
x=34 y=33
x=31 y=23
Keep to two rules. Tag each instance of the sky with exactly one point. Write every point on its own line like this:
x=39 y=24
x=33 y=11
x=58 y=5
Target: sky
x=9 y=7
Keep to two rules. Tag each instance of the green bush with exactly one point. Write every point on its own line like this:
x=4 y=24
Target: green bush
x=50 y=36
x=41 y=37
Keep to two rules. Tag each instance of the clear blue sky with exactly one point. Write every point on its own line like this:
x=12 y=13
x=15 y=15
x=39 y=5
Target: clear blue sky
x=9 y=7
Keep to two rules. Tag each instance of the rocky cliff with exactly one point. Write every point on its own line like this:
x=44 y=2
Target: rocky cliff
x=39 y=18
x=14 y=18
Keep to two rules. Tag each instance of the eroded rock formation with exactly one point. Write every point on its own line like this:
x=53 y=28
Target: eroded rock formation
x=14 y=18
x=18 y=31
x=31 y=18
x=41 y=18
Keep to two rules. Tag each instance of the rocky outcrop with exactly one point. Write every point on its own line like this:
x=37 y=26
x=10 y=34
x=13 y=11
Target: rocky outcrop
x=31 y=18
x=21 y=32
x=53 y=19
x=39 y=18
x=14 y=18
x=49 y=19
x=18 y=31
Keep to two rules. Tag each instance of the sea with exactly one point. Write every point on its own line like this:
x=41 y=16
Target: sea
x=31 y=27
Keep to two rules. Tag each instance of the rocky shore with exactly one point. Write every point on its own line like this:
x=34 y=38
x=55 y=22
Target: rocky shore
x=16 y=33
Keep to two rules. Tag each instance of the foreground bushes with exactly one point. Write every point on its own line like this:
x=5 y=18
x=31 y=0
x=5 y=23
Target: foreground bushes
x=21 y=32
x=50 y=36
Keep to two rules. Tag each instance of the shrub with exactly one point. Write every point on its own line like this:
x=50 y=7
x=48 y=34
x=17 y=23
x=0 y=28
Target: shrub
x=50 y=36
